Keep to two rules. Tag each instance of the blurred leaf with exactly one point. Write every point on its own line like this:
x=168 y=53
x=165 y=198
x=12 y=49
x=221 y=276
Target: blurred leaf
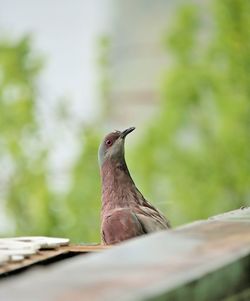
x=198 y=149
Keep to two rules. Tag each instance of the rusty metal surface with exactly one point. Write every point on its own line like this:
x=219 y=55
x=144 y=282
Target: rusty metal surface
x=161 y=265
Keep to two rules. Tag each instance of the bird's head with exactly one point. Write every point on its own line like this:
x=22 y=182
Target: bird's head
x=112 y=147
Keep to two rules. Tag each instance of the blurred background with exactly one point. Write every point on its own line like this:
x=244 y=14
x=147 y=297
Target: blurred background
x=72 y=71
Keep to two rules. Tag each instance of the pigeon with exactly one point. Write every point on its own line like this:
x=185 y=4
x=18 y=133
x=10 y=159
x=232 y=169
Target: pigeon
x=125 y=213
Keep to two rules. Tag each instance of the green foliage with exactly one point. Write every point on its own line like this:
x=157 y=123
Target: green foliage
x=31 y=204
x=33 y=207
x=197 y=154
x=26 y=193
x=83 y=200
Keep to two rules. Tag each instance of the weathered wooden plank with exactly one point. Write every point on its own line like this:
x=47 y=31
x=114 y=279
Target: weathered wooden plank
x=17 y=249
x=3 y=259
x=34 y=259
x=86 y=248
x=206 y=260
x=43 y=256
x=240 y=215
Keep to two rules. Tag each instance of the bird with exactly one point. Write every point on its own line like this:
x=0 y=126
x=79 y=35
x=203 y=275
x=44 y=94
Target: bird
x=125 y=213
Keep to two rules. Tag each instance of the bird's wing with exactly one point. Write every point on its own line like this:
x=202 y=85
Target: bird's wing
x=120 y=224
x=151 y=219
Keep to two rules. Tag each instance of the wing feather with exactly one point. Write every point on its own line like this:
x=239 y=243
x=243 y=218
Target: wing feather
x=151 y=219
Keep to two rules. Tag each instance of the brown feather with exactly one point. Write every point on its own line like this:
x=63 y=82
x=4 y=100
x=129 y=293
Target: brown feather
x=125 y=212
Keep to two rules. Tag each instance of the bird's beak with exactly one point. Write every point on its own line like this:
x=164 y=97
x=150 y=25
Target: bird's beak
x=126 y=132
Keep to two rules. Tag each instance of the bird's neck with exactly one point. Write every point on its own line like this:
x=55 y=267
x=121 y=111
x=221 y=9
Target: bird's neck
x=118 y=188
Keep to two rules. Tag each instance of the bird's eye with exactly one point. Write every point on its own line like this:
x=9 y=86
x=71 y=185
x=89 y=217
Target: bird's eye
x=108 y=142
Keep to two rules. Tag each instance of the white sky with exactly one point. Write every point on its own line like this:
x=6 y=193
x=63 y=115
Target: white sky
x=65 y=32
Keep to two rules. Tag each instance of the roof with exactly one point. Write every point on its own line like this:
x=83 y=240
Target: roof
x=204 y=260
